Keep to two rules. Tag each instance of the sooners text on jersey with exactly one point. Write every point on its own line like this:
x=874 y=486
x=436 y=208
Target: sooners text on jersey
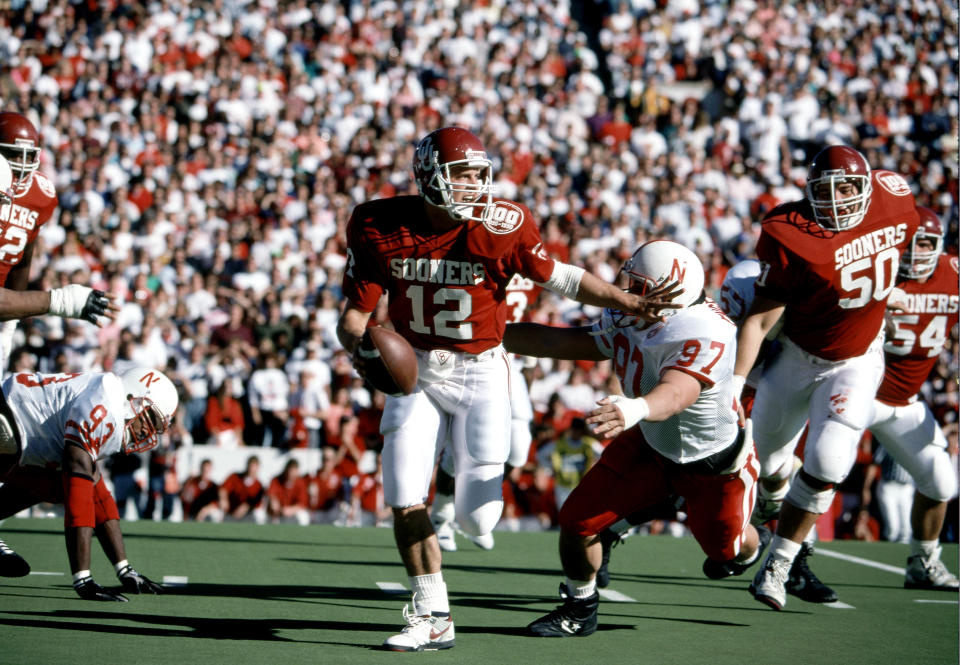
x=920 y=332
x=836 y=284
x=446 y=290
x=54 y=410
x=699 y=340
x=21 y=219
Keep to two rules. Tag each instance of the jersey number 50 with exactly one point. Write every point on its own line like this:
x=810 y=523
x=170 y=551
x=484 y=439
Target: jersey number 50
x=878 y=287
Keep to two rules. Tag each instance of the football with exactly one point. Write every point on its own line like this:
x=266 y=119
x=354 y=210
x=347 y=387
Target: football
x=390 y=364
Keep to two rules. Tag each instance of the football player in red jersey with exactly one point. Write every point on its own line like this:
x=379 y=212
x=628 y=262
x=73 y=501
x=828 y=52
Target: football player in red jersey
x=444 y=258
x=829 y=263
x=27 y=201
x=923 y=312
x=53 y=429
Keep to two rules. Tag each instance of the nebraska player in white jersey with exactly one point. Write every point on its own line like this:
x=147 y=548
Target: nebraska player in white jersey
x=926 y=311
x=521 y=292
x=677 y=379
x=829 y=264
x=444 y=258
x=53 y=429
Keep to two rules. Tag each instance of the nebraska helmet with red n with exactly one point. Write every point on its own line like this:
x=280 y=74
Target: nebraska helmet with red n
x=834 y=166
x=150 y=401
x=659 y=262
x=20 y=144
x=436 y=154
x=919 y=263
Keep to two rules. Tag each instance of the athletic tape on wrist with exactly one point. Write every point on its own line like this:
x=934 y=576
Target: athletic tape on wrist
x=633 y=410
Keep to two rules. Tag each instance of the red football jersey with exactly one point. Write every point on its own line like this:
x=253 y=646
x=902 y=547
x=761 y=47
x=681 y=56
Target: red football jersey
x=446 y=290
x=836 y=284
x=913 y=348
x=20 y=221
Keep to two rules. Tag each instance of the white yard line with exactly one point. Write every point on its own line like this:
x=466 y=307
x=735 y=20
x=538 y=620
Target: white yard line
x=838 y=605
x=937 y=602
x=392 y=587
x=175 y=580
x=44 y=572
x=615 y=596
x=862 y=562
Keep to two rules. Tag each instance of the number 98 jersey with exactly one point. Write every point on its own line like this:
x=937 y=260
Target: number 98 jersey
x=54 y=410
x=447 y=289
x=699 y=340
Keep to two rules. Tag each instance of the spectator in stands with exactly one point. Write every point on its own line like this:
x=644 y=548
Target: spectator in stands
x=224 y=418
x=287 y=498
x=569 y=457
x=326 y=490
x=200 y=496
x=269 y=395
x=241 y=494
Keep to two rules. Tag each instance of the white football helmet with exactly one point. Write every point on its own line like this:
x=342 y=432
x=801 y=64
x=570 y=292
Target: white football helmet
x=659 y=262
x=151 y=401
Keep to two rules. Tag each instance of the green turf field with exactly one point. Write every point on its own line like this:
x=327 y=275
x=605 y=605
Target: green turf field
x=287 y=594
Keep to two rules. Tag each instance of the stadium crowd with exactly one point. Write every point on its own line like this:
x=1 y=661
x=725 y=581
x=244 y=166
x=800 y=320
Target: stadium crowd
x=207 y=156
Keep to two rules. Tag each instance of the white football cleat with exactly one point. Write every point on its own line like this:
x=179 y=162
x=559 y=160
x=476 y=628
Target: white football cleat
x=427 y=632
x=446 y=536
x=929 y=574
x=770 y=584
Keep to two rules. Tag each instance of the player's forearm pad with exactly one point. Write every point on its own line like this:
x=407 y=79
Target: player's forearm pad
x=565 y=279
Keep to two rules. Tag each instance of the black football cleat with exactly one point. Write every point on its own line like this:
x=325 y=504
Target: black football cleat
x=803 y=584
x=11 y=563
x=575 y=618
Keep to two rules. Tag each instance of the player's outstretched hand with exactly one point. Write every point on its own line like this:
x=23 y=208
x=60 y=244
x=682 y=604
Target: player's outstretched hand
x=649 y=305
x=76 y=301
x=134 y=582
x=87 y=589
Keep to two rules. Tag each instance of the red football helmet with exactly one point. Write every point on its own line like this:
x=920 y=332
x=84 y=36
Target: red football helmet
x=919 y=263
x=20 y=144
x=436 y=154
x=832 y=168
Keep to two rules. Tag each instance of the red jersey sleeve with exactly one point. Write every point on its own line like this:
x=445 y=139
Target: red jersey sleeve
x=363 y=281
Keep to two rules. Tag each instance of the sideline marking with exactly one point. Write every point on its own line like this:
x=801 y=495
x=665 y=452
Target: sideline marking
x=392 y=587
x=174 y=580
x=937 y=602
x=838 y=605
x=615 y=596
x=863 y=562
x=43 y=572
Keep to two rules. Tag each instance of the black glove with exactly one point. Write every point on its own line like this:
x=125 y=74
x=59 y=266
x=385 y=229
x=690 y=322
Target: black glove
x=96 y=305
x=87 y=589
x=134 y=582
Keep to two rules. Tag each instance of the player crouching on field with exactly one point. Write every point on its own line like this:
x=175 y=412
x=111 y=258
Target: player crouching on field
x=53 y=428
x=676 y=374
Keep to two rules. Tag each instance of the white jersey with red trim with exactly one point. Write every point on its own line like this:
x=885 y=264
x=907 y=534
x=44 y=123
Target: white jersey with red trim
x=52 y=410
x=699 y=340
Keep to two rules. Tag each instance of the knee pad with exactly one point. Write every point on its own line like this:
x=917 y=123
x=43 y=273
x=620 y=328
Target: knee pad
x=940 y=484
x=807 y=497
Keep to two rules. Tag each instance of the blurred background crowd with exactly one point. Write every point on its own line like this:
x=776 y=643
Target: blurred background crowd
x=208 y=154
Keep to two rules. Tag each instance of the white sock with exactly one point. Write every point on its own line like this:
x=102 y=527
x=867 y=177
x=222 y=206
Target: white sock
x=928 y=549
x=443 y=509
x=580 y=589
x=783 y=548
x=429 y=594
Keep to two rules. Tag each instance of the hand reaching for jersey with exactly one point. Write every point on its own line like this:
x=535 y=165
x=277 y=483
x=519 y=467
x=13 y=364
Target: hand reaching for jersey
x=649 y=306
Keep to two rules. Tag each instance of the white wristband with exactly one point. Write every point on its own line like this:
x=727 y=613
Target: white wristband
x=633 y=410
x=68 y=301
x=738 y=382
x=120 y=565
x=565 y=279
x=81 y=575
